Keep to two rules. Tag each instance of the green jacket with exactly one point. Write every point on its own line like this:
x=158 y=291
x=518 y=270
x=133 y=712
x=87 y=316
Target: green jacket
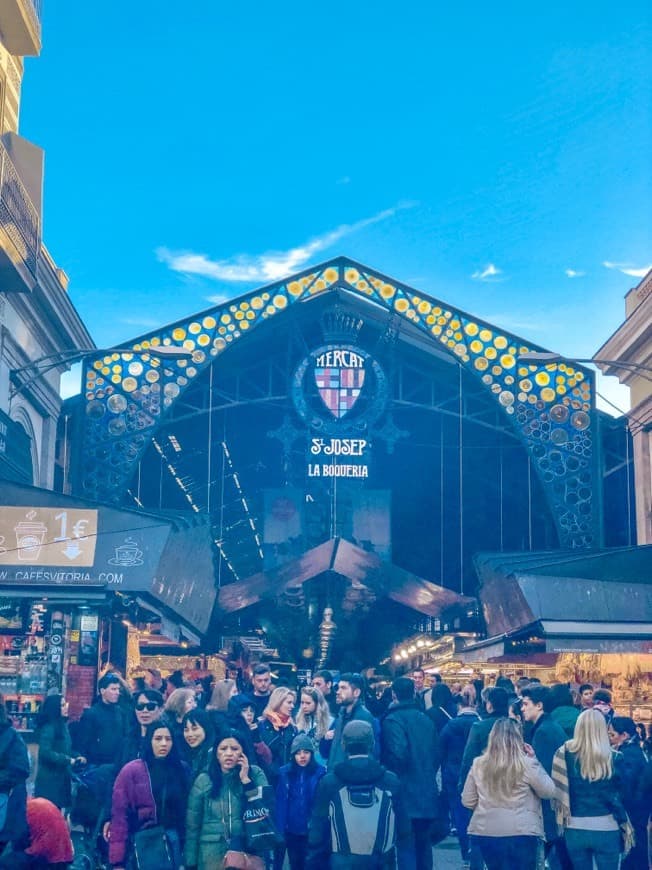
x=53 y=779
x=566 y=717
x=212 y=823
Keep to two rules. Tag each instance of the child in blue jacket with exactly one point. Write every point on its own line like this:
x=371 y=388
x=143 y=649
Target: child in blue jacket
x=296 y=787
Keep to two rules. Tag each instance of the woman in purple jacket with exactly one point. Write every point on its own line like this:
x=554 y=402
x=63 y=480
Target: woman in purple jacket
x=152 y=790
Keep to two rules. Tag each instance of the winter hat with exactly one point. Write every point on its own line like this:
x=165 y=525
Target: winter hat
x=302 y=741
x=358 y=735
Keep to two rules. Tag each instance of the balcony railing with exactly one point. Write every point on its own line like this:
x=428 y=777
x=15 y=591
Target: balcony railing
x=35 y=7
x=18 y=216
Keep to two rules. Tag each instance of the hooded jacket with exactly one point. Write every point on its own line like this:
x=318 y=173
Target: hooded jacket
x=295 y=794
x=355 y=770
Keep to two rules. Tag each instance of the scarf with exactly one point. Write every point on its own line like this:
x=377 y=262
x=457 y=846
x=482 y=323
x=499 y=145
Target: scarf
x=561 y=801
x=279 y=722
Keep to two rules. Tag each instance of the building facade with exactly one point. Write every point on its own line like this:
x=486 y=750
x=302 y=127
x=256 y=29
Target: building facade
x=39 y=326
x=630 y=348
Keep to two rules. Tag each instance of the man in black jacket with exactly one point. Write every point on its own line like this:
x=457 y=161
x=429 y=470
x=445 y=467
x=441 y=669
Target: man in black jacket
x=334 y=844
x=349 y=698
x=410 y=749
x=102 y=728
x=546 y=736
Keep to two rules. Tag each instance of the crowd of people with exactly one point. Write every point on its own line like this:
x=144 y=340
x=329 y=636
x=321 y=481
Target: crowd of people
x=224 y=775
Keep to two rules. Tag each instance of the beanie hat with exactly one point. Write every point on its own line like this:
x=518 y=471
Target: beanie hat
x=302 y=741
x=358 y=733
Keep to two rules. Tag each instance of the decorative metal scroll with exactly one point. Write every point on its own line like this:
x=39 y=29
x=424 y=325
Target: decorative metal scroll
x=551 y=407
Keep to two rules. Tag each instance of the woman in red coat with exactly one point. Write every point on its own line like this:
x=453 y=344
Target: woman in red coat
x=51 y=846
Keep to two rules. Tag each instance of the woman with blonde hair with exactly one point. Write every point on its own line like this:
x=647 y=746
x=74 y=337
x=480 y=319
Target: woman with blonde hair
x=587 y=801
x=277 y=729
x=179 y=702
x=314 y=719
x=504 y=789
x=223 y=691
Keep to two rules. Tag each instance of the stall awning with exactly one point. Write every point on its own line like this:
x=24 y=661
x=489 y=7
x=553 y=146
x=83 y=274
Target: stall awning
x=350 y=562
x=52 y=541
x=606 y=587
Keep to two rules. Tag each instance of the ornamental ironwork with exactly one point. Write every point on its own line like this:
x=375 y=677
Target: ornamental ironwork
x=550 y=406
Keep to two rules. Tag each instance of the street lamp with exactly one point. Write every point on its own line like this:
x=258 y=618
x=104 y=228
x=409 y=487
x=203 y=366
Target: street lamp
x=547 y=357
x=66 y=357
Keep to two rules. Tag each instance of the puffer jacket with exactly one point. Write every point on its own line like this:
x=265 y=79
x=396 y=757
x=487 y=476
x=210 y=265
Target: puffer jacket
x=132 y=796
x=295 y=796
x=519 y=815
x=213 y=822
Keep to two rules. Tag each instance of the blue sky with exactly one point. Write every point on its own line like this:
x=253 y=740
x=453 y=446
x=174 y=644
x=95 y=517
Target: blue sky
x=495 y=157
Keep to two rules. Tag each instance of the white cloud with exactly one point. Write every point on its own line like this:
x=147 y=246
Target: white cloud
x=489 y=273
x=273 y=265
x=574 y=273
x=629 y=269
x=144 y=322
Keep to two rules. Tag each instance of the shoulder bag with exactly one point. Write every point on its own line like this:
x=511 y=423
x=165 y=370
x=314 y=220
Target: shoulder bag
x=151 y=849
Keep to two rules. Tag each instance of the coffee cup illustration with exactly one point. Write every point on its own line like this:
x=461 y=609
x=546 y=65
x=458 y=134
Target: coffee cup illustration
x=127 y=554
x=29 y=539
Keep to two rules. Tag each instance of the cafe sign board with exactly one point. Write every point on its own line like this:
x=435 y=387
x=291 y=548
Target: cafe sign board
x=47 y=536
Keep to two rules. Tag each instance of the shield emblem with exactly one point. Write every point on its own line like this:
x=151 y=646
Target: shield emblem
x=339 y=387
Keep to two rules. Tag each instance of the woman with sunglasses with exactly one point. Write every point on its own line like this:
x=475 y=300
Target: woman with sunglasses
x=148 y=706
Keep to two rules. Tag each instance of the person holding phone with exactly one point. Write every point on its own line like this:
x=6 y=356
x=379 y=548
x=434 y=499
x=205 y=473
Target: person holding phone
x=217 y=802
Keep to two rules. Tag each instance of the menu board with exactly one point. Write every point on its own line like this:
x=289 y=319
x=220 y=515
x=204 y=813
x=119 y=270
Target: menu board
x=49 y=536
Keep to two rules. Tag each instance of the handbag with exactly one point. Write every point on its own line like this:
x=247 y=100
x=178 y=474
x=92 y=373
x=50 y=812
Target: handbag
x=152 y=850
x=259 y=831
x=243 y=861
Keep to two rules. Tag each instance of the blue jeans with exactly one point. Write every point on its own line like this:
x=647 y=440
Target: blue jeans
x=585 y=846
x=507 y=853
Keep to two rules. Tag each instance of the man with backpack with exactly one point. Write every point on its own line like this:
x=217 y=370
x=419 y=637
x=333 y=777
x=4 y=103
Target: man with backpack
x=359 y=817
x=410 y=749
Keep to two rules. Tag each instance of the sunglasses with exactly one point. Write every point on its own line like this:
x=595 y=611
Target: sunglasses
x=150 y=707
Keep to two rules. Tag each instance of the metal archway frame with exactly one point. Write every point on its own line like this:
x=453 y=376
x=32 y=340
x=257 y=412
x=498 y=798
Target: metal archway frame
x=551 y=407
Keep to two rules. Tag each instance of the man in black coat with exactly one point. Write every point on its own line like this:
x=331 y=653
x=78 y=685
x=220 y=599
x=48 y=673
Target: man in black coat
x=102 y=728
x=330 y=843
x=349 y=698
x=631 y=765
x=410 y=749
x=546 y=736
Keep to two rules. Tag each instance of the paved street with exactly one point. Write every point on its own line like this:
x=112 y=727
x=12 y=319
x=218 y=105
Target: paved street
x=447 y=855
